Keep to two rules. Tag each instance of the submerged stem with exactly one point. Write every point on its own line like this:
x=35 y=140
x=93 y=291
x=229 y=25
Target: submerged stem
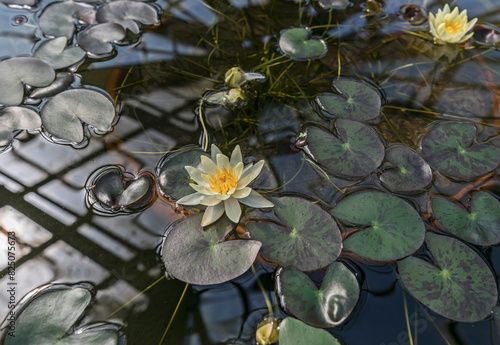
x=261 y=287
x=173 y=315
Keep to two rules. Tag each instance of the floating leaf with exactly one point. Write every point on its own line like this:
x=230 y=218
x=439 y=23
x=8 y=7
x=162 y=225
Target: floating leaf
x=325 y=307
x=97 y=38
x=62 y=82
x=14 y=118
x=408 y=171
x=355 y=151
x=135 y=191
x=354 y=101
x=487 y=34
x=460 y=287
x=198 y=255
x=308 y=239
x=62 y=114
x=54 y=53
x=299 y=44
x=450 y=147
x=14 y=72
x=58 y=19
x=295 y=332
x=126 y=13
x=393 y=229
x=479 y=226
x=255 y=76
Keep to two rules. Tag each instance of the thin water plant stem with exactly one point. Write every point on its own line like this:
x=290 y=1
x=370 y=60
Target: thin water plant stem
x=261 y=287
x=173 y=315
x=205 y=133
x=407 y=320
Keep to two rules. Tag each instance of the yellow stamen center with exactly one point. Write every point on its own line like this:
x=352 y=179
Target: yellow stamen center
x=452 y=26
x=223 y=181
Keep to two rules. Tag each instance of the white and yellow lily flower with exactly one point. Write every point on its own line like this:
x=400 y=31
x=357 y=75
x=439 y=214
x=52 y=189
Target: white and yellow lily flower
x=450 y=26
x=222 y=186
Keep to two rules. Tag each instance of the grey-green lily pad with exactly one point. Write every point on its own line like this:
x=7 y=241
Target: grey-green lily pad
x=325 y=307
x=391 y=228
x=450 y=148
x=62 y=82
x=407 y=172
x=173 y=178
x=334 y=4
x=16 y=71
x=126 y=13
x=61 y=115
x=198 y=255
x=15 y=118
x=97 y=39
x=460 y=286
x=48 y=316
x=298 y=44
x=54 y=53
x=295 y=332
x=355 y=151
x=480 y=225
x=58 y=19
x=135 y=191
x=308 y=238
x=353 y=100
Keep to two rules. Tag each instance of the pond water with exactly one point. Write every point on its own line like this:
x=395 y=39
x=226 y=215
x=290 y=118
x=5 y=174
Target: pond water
x=95 y=210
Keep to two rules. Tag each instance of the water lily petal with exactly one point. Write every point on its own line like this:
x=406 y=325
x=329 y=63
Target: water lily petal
x=236 y=157
x=203 y=189
x=212 y=213
x=211 y=200
x=196 y=175
x=208 y=165
x=238 y=170
x=215 y=151
x=233 y=209
x=250 y=174
x=471 y=24
x=222 y=161
x=242 y=193
x=191 y=199
x=223 y=196
x=256 y=200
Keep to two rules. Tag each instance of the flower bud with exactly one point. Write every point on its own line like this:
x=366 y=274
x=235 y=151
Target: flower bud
x=235 y=77
x=267 y=332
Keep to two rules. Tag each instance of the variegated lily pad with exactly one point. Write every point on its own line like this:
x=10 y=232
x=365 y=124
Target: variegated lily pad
x=59 y=18
x=54 y=53
x=295 y=332
x=14 y=118
x=127 y=14
x=97 y=39
x=298 y=44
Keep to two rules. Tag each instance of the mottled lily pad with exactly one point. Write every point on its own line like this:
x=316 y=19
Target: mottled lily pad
x=97 y=38
x=14 y=72
x=127 y=14
x=460 y=286
x=54 y=53
x=392 y=229
x=62 y=82
x=298 y=44
x=48 y=315
x=450 y=148
x=407 y=171
x=355 y=151
x=325 y=307
x=59 y=18
x=479 y=226
x=295 y=332
x=15 y=118
x=353 y=100
x=61 y=116
x=308 y=238
x=198 y=255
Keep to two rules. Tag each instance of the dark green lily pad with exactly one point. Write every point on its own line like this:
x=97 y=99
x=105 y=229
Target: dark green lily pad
x=54 y=53
x=59 y=18
x=15 y=118
x=354 y=100
x=127 y=14
x=479 y=226
x=48 y=315
x=450 y=148
x=308 y=239
x=407 y=172
x=61 y=115
x=298 y=44
x=355 y=151
x=295 y=332
x=97 y=38
x=173 y=179
x=14 y=72
x=198 y=255
x=325 y=307
x=392 y=229
x=460 y=286
x=62 y=82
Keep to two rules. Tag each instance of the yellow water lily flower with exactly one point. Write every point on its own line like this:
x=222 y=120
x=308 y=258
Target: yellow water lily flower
x=450 y=26
x=222 y=186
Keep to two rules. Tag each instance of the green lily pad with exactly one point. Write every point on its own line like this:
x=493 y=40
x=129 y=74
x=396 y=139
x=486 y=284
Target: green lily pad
x=450 y=148
x=97 y=39
x=355 y=151
x=408 y=172
x=14 y=72
x=325 y=307
x=198 y=255
x=479 y=226
x=62 y=114
x=54 y=53
x=62 y=82
x=298 y=44
x=173 y=179
x=460 y=286
x=392 y=229
x=47 y=316
x=295 y=332
x=127 y=14
x=308 y=239
x=15 y=118
x=59 y=18
x=353 y=100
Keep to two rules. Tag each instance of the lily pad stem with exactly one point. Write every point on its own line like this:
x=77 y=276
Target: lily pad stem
x=200 y=114
x=173 y=315
x=261 y=287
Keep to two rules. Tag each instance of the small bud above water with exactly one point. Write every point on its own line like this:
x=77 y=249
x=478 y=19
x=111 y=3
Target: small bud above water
x=267 y=331
x=235 y=77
